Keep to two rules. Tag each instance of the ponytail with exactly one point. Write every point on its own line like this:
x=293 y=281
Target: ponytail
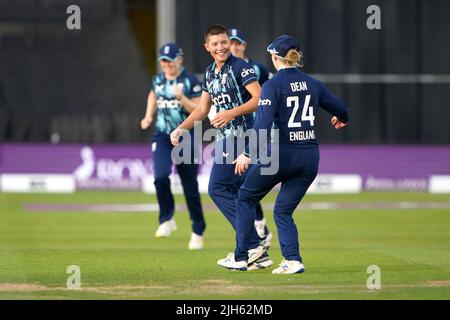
x=294 y=58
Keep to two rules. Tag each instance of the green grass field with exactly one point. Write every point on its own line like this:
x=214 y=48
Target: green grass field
x=119 y=257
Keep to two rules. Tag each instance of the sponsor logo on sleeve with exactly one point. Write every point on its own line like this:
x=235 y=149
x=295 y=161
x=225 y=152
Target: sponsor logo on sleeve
x=246 y=72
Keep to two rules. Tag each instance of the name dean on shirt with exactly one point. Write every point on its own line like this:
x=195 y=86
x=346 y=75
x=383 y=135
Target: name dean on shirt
x=299 y=86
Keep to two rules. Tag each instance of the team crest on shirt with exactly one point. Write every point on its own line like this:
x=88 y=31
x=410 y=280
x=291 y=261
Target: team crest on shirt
x=216 y=86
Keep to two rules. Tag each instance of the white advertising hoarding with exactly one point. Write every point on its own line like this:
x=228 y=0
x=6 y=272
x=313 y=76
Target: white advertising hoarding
x=439 y=184
x=51 y=183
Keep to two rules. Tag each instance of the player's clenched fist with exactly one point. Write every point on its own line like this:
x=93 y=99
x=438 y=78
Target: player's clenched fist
x=336 y=123
x=175 y=136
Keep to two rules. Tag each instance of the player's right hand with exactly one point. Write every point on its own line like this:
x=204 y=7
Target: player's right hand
x=175 y=136
x=145 y=123
x=223 y=118
x=241 y=164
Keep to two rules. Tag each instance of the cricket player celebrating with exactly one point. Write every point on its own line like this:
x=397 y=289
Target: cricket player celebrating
x=230 y=85
x=174 y=95
x=238 y=45
x=290 y=99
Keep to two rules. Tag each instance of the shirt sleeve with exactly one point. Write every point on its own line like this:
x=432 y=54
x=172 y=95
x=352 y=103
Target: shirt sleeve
x=245 y=73
x=152 y=85
x=265 y=115
x=332 y=104
x=204 y=86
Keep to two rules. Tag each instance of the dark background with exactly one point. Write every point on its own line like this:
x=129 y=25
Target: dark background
x=91 y=85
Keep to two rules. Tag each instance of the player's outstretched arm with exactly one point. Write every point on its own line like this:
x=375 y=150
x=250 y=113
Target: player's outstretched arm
x=263 y=123
x=150 y=112
x=198 y=114
x=224 y=117
x=335 y=107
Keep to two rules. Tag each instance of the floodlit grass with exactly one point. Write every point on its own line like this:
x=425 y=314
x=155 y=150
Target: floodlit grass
x=119 y=257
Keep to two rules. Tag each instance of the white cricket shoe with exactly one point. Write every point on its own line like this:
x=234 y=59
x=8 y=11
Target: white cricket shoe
x=196 y=242
x=255 y=254
x=289 y=267
x=232 y=264
x=260 y=226
x=261 y=263
x=166 y=228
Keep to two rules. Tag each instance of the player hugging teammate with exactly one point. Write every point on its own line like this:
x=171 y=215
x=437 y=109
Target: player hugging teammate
x=287 y=102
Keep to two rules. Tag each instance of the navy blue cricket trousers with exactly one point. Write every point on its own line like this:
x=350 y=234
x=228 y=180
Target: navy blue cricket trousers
x=224 y=184
x=297 y=170
x=162 y=168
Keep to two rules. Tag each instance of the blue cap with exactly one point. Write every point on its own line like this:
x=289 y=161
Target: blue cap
x=236 y=34
x=281 y=45
x=170 y=51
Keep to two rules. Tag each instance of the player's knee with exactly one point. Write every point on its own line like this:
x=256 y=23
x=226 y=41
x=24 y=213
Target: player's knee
x=191 y=191
x=218 y=191
x=190 y=186
x=244 y=195
x=281 y=211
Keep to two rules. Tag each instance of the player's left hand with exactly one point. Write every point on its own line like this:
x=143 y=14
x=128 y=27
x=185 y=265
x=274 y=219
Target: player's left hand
x=336 y=123
x=242 y=162
x=222 y=118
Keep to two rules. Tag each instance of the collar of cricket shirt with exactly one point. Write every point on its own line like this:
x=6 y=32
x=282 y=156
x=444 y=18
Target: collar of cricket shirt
x=229 y=60
x=287 y=67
